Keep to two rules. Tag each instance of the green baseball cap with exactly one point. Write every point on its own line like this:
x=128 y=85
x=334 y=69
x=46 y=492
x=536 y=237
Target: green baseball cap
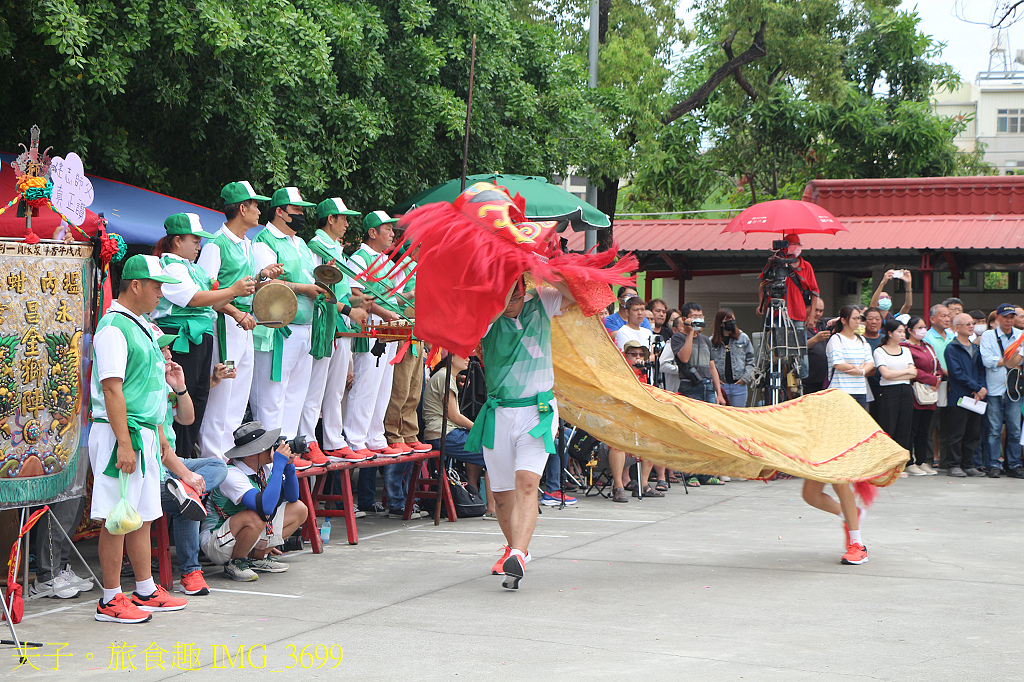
x=146 y=267
x=376 y=219
x=237 y=192
x=186 y=223
x=288 y=196
x=166 y=339
x=333 y=206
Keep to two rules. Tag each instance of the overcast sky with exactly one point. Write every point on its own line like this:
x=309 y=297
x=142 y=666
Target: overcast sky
x=967 y=44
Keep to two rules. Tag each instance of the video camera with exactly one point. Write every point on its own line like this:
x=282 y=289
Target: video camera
x=298 y=445
x=778 y=269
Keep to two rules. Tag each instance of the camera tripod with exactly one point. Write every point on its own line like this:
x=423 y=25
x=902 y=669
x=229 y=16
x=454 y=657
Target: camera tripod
x=781 y=342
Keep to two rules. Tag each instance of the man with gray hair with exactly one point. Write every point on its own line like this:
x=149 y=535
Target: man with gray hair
x=1002 y=410
x=937 y=337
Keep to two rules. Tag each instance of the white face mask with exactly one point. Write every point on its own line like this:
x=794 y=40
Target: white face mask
x=919 y=333
x=980 y=329
x=794 y=251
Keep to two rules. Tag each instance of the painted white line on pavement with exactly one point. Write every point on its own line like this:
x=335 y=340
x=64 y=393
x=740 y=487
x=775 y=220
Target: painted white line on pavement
x=261 y=594
x=377 y=535
x=57 y=610
x=576 y=518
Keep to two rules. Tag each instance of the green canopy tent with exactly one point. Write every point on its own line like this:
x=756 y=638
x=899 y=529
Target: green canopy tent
x=544 y=201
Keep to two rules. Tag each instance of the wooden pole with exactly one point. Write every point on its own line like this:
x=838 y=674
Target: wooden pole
x=469 y=111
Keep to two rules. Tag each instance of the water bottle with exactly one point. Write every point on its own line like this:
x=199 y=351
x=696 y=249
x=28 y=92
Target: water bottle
x=325 y=531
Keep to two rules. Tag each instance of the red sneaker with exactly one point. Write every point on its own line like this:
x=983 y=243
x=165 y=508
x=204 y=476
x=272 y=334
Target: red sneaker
x=193 y=583
x=497 y=568
x=161 y=600
x=365 y=453
x=402 y=447
x=121 y=610
x=316 y=455
x=342 y=455
x=419 y=447
x=189 y=503
x=302 y=464
x=388 y=452
x=856 y=555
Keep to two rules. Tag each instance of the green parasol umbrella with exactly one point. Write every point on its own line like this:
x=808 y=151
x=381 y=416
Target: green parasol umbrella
x=544 y=201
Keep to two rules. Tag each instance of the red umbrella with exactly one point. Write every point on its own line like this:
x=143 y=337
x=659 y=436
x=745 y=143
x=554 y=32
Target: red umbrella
x=785 y=216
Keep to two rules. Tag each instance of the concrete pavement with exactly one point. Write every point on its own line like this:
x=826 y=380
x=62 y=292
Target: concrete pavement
x=740 y=581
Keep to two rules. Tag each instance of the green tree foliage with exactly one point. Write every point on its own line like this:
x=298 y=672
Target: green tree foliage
x=841 y=92
x=362 y=98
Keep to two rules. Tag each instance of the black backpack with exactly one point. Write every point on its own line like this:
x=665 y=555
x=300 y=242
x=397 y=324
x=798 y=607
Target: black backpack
x=473 y=392
x=468 y=502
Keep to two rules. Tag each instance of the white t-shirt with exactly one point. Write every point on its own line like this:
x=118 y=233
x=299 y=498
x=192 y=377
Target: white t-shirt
x=893 y=362
x=625 y=334
x=179 y=294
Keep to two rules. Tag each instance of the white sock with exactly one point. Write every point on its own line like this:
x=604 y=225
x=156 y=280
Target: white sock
x=528 y=558
x=110 y=594
x=855 y=537
x=518 y=553
x=146 y=587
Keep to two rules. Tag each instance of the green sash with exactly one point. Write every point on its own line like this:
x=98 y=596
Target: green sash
x=482 y=433
x=135 y=431
x=325 y=321
x=277 y=353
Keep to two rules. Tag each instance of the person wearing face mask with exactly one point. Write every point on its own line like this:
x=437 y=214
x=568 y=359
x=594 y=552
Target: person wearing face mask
x=733 y=354
x=883 y=301
x=1002 y=411
x=801 y=286
x=283 y=362
x=929 y=372
x=980 y=325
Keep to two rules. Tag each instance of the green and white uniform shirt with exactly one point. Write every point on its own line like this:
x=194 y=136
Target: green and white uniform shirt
x=173 y=313
x=125 y=347
x=518 y=368
x=227 y=259
x=361 y=260
x=325 y=249
x=225 y=500
x=517 y=351
x=273 y=246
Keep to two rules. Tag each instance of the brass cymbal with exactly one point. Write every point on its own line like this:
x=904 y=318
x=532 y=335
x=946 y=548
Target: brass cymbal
x=327 y=274
x=409 y=312
x=328 y=295
x=275 y=305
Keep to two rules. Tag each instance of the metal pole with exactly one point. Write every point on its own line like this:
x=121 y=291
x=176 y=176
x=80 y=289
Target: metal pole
x=465 y=144
x=442 y=468
x=590 y=236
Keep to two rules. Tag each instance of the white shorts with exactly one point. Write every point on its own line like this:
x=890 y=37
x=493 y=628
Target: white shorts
x=514 y=448
x=143 y=490
x=221 y=543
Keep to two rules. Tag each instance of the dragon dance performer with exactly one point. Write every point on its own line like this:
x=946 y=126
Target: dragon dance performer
x=332 y=356
x=228 y=259
x=516 y=426
x=187 y=310
x=473 y=254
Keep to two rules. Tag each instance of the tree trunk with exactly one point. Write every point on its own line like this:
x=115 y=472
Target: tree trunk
x=607 y=197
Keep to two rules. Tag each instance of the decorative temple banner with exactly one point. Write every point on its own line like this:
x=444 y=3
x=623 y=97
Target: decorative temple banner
x=44 y=349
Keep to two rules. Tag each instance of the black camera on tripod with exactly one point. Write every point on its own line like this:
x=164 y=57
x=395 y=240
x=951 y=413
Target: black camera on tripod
x=298 y=445
x=778 y=269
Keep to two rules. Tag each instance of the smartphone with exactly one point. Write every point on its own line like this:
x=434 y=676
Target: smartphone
x=897 y=274
x=230 y=364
